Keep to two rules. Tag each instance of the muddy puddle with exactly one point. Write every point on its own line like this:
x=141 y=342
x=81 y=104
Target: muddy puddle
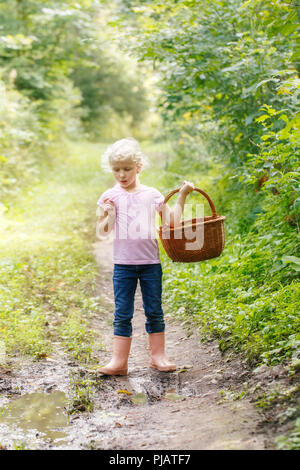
x=35 y=416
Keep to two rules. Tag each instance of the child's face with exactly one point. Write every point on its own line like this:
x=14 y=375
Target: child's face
x=125 y=173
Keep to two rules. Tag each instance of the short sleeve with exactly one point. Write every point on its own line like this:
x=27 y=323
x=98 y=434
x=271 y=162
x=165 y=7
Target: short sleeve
x=100 y=201
x=158 y=200
x=105 y=195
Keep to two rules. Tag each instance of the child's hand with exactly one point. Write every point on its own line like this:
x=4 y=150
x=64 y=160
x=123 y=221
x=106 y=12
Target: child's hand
x=109 y=206
x=186 y=187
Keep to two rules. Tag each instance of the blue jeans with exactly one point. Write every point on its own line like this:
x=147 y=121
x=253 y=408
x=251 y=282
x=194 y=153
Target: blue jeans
x=125 y=279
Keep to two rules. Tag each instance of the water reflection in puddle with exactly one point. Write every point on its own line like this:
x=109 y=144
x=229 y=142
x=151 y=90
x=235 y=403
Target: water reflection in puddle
x=40 y=411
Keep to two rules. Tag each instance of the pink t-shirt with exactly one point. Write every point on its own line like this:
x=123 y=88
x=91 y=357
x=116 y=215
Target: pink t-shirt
x=134 y=232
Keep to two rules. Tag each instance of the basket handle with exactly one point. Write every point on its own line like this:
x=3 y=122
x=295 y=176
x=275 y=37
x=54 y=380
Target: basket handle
x=213 y=210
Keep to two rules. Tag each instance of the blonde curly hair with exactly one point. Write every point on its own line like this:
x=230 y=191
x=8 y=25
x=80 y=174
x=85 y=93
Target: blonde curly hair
x=122 y=150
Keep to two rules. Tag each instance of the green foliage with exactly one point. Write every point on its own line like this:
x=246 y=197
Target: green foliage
x=57 y=73
x=19 y=136
x=276 y=167
x=47 y=270
x=219 y=64
x=109 y=92
x=241 y=300
x=230 y=101
x=292 y=441
x=82 y=391
x=76 y=336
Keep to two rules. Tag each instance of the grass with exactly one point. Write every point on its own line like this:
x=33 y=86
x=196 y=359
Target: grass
x=47 y=267
x=81 y=395
x=291 y=441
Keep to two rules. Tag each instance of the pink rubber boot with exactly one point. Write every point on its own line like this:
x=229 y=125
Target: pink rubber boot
x=158 y=358
x=118 y=364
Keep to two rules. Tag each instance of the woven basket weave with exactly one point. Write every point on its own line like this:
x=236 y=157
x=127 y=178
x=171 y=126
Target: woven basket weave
x=181 y=243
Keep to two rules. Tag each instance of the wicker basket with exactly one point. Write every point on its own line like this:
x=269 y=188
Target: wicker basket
x=182 y=245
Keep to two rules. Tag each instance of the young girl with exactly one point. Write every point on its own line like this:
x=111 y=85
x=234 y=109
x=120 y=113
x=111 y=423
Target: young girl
x=129 y=208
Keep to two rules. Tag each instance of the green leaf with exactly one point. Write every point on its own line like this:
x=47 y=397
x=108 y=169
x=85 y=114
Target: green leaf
x=293 y=260
x=262 y=118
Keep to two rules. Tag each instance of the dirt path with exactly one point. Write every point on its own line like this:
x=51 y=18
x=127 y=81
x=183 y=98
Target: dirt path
x=145 y=410
x=181 y=410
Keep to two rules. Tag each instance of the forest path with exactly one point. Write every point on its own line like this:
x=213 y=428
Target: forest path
x=194 y=408
x=178 y=410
